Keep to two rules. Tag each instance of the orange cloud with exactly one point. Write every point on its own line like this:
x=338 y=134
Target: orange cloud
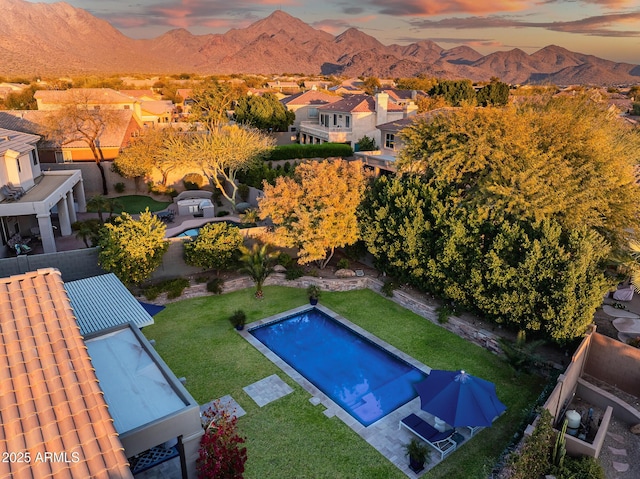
x=438 y=7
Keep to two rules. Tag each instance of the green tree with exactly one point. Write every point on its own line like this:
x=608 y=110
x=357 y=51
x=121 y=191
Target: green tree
x=495 y=93
x=258 y=263
x=137 y=159
x=264 y=112
x=316 y=209
x=98 y=204
x=212 y=101
x=455 y=92
x=88 y=231
x=222 y=153
x=215 y=247
x=22 y=100
x=367 y=144
x=133 y=249
x=371 y=85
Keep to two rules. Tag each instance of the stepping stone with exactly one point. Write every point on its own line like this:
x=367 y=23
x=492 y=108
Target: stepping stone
x=627 y=325
x=618 y=452
x=619 y=313
x=615 y=437
x=315 y=401
x=267 y=390
x=227 y=404
x=620 y=466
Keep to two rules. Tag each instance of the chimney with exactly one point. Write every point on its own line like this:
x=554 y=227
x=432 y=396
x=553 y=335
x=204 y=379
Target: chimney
x=382 y=104
x=409 y=109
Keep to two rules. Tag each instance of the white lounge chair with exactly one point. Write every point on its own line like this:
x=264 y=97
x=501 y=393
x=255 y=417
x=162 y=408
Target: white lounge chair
x=440 y=441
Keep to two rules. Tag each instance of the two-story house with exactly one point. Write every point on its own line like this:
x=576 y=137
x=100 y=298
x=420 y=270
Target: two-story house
x=305 y=105
x=353 y=117
x=29 y=196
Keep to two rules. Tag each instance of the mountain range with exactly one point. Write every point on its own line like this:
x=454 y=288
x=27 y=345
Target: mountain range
x=58 y=39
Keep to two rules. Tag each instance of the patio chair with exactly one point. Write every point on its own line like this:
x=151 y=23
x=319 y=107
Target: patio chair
x=8 y=194
x=473 y=429
x=19 y=190
x=440 y=441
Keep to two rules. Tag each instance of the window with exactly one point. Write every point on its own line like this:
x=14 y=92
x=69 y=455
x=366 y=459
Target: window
x=127 y=107
x=347 y=121
x=19 y=167
x=34 y=157
x=335 y=119
x=63 y=157
x=390 y=141
x=313 y=113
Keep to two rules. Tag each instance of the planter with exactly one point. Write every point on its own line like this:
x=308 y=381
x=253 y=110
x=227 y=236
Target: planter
x=313 y=301
x=239 y=327
x=416 y=466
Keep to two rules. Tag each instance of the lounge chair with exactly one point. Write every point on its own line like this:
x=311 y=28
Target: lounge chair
x=473 y=429
x=8 y=194
x=440 y=441
x=19 y=190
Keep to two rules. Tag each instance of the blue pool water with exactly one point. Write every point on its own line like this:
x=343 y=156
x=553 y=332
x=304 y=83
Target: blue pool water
x=195 y=231
x=364 y=379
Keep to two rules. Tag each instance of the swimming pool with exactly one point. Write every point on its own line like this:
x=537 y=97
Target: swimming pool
x=366 y=380
x=195 y=231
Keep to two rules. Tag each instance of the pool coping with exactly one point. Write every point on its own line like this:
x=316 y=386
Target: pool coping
x=384 y=435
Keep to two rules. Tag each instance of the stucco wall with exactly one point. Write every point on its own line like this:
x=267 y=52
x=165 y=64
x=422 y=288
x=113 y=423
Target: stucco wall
x=615 y=363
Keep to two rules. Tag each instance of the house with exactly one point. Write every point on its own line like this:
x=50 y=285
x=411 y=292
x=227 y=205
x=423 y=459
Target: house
x=29 y=213
x=142 y=95
x=280 y=85
x=6 y=88
x=390 y=143
x=349 y=119
x=102 y=401
x=344 y=90
x=305 y=105
x=55 y=420
x=117 y=134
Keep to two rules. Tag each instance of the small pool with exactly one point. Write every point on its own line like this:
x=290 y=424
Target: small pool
x=366 y=380
x=196 y=231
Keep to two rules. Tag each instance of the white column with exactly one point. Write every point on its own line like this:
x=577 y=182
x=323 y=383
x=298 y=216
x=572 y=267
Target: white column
x=78 y=191
x=63 y=217
x=46 y=233
x=71 y=207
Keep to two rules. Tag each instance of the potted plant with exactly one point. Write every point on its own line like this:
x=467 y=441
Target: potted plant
x=418 y=453
x=313 y=292
x=238 y=319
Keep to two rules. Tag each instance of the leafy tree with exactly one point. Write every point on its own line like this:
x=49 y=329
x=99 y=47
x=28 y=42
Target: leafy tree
x=420 y=82
x=367 y=144
x=78 y=120
x=495 y=93
x=99 y=204
x=211 y=102
x=88 y=231
x=173 y=152
x=371 y=85
x=224 y=152
x=316 y=209
x=215 y=246
x=264 y=112
x=258 y=263
x=133 y=249
x=428 y=103
x=455 y=92
x=137 y=159
x=634 y=93
x=635 y=109
x=22 y=100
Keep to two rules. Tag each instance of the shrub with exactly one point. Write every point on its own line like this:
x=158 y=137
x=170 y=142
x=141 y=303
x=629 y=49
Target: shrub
x=220 y=455
x=193 y=181
x=533 y=458
x=243 y=191
x=215 y=285
x=284 y=260
x=152 y=292
x=388 y=287
x=119 y=187
x=444 y=312
x=287 y=167
x=201 y=279
x=356 y=250
x=323 y=150
x=238 y=318
x=295 y=271
x=582 y=468
x=343 y=263
x=367 y=144
x=222 y=213
x=176 y=287
x=635 y=342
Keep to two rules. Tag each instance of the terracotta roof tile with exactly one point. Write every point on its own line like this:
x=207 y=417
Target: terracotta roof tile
x=51 y=401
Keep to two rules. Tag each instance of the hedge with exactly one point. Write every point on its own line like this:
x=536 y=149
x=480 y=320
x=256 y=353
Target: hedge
x=320 y=150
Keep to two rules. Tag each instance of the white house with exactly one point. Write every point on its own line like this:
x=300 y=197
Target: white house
x=28 y=195
x=355 y=116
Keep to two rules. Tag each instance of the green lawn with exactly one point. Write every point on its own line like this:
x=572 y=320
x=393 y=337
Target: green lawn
x=134 y=204
x=197 y=341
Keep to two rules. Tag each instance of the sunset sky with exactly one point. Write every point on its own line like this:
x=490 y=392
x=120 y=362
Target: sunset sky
x=606 y=28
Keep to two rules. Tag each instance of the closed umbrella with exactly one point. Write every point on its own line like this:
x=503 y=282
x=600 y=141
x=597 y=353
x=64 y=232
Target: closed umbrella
x=459 y=399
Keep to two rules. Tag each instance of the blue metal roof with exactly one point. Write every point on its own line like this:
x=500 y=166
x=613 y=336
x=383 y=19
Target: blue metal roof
x=102 y=302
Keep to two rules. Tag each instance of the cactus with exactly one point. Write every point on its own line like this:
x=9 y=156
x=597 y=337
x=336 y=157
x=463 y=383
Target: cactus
x=560 y=449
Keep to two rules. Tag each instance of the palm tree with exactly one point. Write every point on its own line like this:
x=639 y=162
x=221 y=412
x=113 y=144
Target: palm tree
x=99 y=204
x=258 y=264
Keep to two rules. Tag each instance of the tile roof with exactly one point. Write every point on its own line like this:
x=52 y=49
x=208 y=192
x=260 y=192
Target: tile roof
x=92 y=96
x=397 y=125
x=358 y=104
x=101 y=302
x=51 y=401
x=310 y=97
x=33 y=121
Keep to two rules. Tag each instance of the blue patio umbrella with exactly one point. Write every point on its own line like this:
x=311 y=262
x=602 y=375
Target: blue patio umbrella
x=459 y=399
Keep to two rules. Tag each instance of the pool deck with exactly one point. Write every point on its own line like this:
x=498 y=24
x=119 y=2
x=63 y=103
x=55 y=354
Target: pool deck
x=384 y=435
